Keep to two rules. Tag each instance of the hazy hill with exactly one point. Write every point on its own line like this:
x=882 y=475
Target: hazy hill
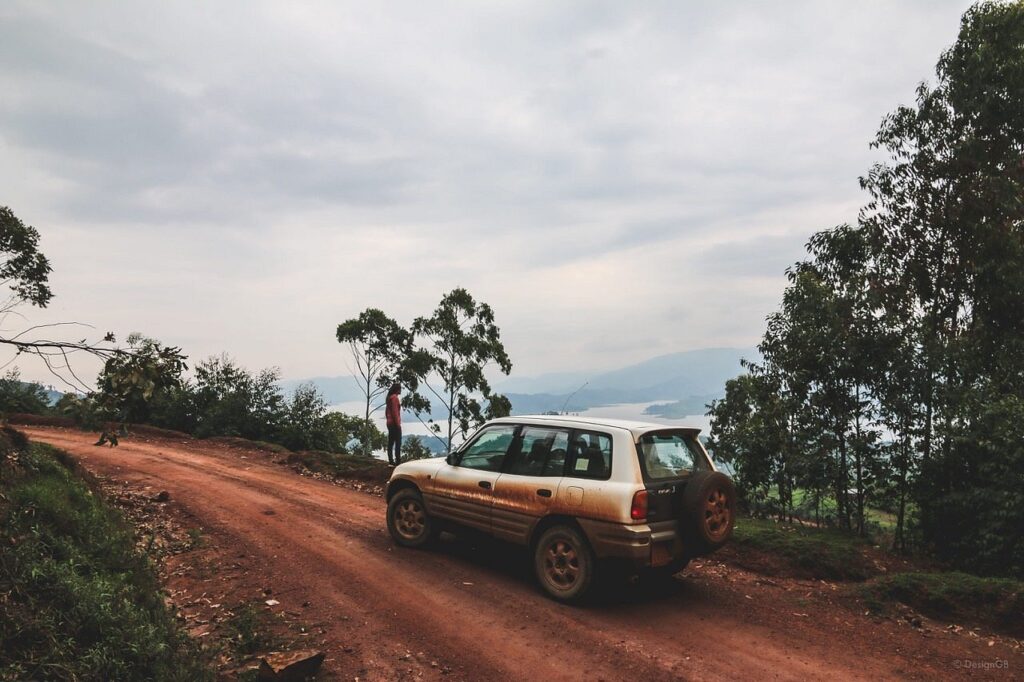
x=689 y=379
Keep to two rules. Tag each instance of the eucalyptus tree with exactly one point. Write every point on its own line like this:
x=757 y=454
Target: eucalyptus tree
x=379 y=348
x=455 y=345
x=747 y=433
x=946 y=219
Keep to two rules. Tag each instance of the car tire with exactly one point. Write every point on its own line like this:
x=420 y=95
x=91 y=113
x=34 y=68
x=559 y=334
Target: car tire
x=708 y=511
x=564 y=563
x=408 y=521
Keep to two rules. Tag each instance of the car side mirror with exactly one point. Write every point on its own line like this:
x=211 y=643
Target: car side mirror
x=451 y=458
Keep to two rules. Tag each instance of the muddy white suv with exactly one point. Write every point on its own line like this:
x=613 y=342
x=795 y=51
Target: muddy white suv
x=576 y=491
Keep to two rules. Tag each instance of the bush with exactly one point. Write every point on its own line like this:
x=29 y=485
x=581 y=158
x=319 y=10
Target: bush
x=20 y=396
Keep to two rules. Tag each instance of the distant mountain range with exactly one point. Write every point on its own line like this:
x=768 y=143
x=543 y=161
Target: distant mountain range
x=686 y=381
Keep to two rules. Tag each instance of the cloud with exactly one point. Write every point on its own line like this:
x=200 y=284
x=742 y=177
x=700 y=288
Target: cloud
x=614 y=179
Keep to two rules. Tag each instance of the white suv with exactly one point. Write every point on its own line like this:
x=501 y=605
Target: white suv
x=575 y=490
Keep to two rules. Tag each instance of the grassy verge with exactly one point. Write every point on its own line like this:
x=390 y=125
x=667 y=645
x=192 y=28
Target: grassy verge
x=356 y=467
x=77 y=601
x=954 y=597
x=770 y=547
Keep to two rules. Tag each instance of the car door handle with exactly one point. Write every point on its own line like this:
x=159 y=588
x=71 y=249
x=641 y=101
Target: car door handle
x=544 y=492
x=486 y=485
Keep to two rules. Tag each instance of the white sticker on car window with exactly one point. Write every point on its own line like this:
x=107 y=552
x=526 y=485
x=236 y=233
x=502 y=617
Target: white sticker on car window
x=582 y=464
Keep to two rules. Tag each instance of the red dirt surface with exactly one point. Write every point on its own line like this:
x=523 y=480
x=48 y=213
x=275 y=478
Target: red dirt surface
x=469 y=609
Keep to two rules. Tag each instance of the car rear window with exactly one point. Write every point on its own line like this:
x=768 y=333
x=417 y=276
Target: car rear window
x=670 y=454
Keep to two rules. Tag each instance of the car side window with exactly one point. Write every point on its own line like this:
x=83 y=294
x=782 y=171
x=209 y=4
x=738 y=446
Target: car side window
x=590 y=455
x=487 y=451
x=541 y=451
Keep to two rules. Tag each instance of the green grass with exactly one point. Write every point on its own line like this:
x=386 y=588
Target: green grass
x=951 y=596
x=803 y=503
x=804 y=551
x=79 y=601
x=249 y=631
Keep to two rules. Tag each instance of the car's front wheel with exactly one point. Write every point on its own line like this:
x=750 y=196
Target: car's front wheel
x=564 y=563
x=408 y=521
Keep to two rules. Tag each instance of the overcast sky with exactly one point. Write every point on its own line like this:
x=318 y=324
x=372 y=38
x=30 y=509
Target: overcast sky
x=618 y=180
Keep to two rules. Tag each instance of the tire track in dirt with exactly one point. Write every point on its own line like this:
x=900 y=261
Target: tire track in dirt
x=472 y=608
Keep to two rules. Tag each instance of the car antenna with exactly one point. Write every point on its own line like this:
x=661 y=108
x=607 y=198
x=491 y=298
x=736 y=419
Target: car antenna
x=562 y=411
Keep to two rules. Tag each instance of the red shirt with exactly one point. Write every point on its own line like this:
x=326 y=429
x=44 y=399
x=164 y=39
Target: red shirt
x=393 y=411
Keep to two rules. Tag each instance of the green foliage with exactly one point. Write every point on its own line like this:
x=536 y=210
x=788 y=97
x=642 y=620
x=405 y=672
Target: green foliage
x=80 y=602
x=131 y=380
x=457 y=342
x=811 y=552
x=22 y=266
x=23 y=397
x=249 y=627
x=893 y=369
x=379 y=347
x=85 y=411
x=225 y=400
x=302 y=428
x=956 y=597
x=345 y=433
x=972 y=502
x=413 y=448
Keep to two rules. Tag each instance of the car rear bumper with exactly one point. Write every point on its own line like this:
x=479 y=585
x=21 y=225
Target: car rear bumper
x=644 y=545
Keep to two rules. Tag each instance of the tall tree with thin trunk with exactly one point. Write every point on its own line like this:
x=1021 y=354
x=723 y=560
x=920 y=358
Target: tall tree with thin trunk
x=456 y=344
x=377 y=346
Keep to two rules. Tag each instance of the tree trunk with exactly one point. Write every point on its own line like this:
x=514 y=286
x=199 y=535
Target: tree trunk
x=899 y=541
x=842 y=481
x=859 y=461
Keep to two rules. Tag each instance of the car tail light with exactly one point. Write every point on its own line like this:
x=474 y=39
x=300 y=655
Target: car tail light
x=638 y=511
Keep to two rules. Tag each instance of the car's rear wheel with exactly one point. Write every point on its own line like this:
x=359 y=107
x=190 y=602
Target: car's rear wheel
x=408 y=521
x=564 y=563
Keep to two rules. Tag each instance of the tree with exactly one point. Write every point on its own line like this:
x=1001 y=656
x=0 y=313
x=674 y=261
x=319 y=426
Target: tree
x=898 y=350
x=25 y=271
x=378 y=346
x=342 y=431
x=303 y=424
x=20 y=396
x=229 y=400
x=129 y=381
x=456 y=344
x=414 y=448
x=23 y=268
x=947 y=224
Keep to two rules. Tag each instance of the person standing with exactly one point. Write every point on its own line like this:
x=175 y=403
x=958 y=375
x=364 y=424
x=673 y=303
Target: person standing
x=393 y=417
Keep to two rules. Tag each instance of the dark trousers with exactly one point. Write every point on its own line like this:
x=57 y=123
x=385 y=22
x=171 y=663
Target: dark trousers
x=395 y=440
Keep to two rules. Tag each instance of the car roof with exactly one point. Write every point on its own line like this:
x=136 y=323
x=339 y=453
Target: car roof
x=637 y=428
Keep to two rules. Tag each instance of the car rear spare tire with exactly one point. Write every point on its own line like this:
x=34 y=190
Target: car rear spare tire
x=708 y=512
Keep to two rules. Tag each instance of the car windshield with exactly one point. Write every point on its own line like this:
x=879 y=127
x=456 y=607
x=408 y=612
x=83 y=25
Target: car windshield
x=670 y=454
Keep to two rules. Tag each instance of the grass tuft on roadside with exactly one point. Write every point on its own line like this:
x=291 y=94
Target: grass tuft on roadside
x=77 y=600
x=952 y=596
x=769 y=547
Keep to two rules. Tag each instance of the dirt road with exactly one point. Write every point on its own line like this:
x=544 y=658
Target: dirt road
x=473 y=610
